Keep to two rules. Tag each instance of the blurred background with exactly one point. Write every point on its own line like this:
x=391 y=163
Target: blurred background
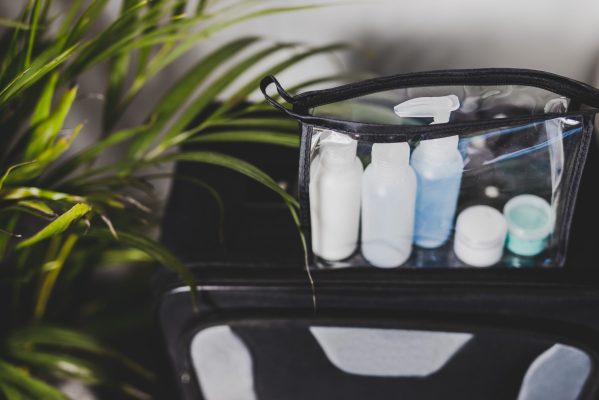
x=395 y=36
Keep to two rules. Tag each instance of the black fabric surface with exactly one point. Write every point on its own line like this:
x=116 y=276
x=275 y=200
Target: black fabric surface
x=289 y=364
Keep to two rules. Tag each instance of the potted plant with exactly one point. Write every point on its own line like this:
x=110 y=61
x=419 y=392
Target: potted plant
x=65 y=214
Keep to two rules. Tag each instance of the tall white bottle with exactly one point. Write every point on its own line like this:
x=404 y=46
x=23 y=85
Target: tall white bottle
x=388 y=206
x=335 y=190
x=438 y=165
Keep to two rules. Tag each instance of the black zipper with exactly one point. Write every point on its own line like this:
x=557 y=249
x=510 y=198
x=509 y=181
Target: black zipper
x=576 y=90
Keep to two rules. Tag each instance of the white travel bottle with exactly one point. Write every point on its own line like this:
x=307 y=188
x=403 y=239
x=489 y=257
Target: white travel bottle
x=388 y=206
x=335 y=190
x=438 y=165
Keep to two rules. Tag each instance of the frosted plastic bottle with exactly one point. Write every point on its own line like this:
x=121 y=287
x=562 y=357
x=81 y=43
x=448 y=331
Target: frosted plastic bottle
x=335 y=190
x=388 y=201
x=439 y=166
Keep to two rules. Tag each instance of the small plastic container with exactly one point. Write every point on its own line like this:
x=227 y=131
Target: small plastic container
x=480 y=236
x=530 y=220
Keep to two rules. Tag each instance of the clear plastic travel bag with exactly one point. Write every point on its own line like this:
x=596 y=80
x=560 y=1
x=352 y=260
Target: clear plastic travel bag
x=462 y=168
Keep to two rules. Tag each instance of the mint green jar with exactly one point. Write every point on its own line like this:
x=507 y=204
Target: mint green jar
x=530 y=221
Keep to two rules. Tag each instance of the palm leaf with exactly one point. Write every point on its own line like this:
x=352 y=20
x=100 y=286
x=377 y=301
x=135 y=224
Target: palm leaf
x=46 y=336
x=21 y=381
x=50 y=271
x=242 y=94
x=59 y=225
x=44 y=104
x=187 y=41
x=68 y=366
x=41 y=66
x=185 y=86
x=236 y=164
x=205 y=98
x=20 y=193
x=43 y=136
x=9 y=23
x=35 y=16
x=4 y=176
x=280 y=139
x=87 y=19
x=154 y=250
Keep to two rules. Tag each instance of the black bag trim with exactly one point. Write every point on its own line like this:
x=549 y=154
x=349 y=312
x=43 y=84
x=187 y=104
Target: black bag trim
x=579 y=92
x=570 y=201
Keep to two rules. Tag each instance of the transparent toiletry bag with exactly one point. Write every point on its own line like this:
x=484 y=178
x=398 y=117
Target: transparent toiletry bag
x=461 y=168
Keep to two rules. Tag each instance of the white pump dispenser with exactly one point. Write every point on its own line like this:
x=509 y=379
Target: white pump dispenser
x=438 y=165
x=388 y=200
x=335 y=188
x=437 y=108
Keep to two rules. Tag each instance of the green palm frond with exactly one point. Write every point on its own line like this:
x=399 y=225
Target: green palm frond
x=64 y=211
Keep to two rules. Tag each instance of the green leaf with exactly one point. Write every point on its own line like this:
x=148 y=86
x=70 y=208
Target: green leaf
x=50 y=271
x=47 y=156
x=89 y=16
x=208 y=96
x=277 y=124
x=68 y=366
x=280 y=139
x=12 y=52
x=12 y=393
x=58 y=338
x=20 y=193
x=242 y=94
x=119 y=68
x=67 y=22
x=122 y=36
x=35 y=16
x=4 y=177
x=9 y=23
x=44 y=135
x=40 y=67
x=217 y=87
x=59 y=225
x=179 y=93
x=145 y=53
x=38 y=206
x=189 y=39
x=236 y=164
x=89 y=155
x=44 y=104
x=62 y=366
x=154 y=250
x=22 y=381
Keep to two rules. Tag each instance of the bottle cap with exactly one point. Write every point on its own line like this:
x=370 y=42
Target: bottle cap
x=530 y=220
x=442 y=148
x=480 y=236
x=339 y=152
x=437 y=108
x=391 y=154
